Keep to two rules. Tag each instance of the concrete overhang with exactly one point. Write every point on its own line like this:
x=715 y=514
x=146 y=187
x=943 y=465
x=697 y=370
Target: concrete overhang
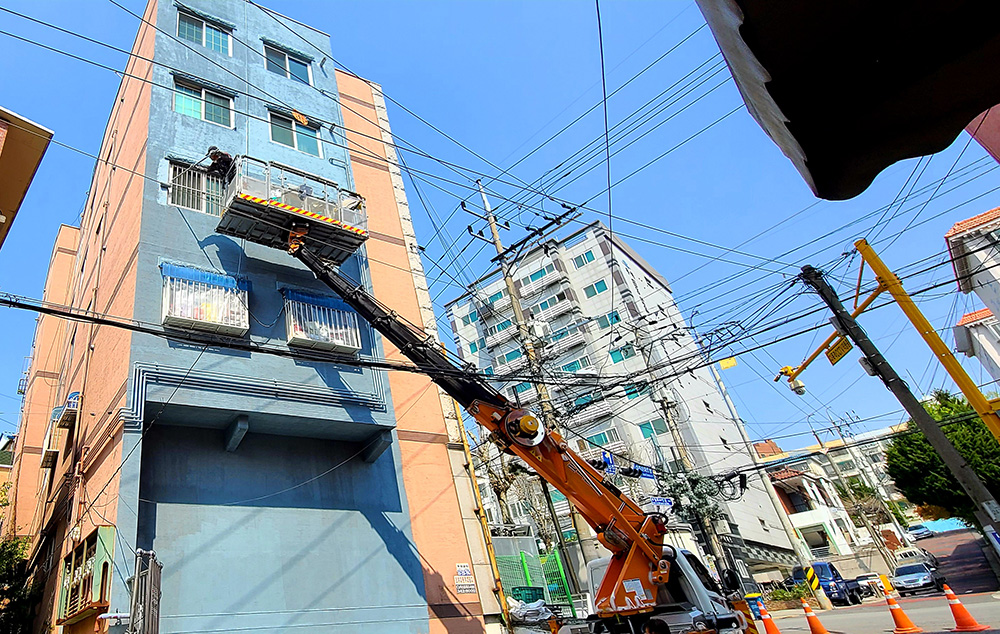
x=22 y=146
x=846 y=88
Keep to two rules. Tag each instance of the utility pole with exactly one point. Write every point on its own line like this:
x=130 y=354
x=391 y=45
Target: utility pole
x=647 y=346
x=802 y=552
x=876 y=538
x=987 y=511
x=526 y=339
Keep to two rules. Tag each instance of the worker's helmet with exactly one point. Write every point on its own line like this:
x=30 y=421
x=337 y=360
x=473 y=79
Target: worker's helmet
x=212 y=151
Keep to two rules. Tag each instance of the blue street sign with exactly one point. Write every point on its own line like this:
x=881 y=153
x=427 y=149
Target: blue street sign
x=647 y=472
x=657 y=501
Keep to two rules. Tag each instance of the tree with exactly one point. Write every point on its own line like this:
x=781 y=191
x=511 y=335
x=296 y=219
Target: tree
x=18 y=593
x=921 y=475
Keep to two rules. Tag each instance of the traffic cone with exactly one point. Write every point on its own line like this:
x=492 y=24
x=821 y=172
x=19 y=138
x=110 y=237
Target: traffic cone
x=815 y=627
x=963 y=620
x=769 y=626
x=903 y=623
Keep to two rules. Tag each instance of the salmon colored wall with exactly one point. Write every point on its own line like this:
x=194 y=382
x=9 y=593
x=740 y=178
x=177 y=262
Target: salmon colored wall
x=95 y=266
x=40 y=396
x=435 y=516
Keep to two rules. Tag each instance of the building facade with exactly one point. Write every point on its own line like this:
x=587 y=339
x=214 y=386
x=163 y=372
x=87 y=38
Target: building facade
x=977 y=334
x=600 y=311
x=972 y=245
x=276 y=490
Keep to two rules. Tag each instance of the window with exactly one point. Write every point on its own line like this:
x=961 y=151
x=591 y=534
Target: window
x=193 y=298
x=547 y=303
x=587 y=399
x=603 y=438
x=537 y=275
x=625 y=352
x=470 y=318
x=495 y=297
x=635 y=390
x=295 y=135
x=313 y=321
x=583 y=259
x=510 y=356
x=595 y=289
x=521 y=388
x=500 y=327
x=488 y=371
x=192 y=188
x=201 y=103
x=655 y=426
x=86 y=574
x=290 y=66
x=605 y=321
x=577 y=365
x=476 y=346
x=203 y=33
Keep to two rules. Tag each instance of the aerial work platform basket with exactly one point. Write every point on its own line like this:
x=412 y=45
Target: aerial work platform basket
x=265 y=200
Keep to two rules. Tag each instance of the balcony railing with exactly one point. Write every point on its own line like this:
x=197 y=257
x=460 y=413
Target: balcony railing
x=204 y=306
x=497 y=338
x=550 y=313
x=591 y=412
x=559 y=346
x=64 y=416
x=541 y=283
x=264 y=200
x=310 y=325
x=86 y=577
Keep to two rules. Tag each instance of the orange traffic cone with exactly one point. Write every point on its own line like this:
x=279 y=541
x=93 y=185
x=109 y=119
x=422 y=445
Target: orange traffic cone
x=903 y=623
x=963 y=620
x=769 y=626
x=815 y=627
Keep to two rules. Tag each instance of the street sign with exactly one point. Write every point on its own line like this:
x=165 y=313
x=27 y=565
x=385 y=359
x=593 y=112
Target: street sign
x=658 y=501
x=646 y=472
x=838 y=350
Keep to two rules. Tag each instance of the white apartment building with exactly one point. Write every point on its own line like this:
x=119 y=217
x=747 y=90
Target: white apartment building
x=815 y=509
x=601 y=311
x=977 y=334
x=973 y=246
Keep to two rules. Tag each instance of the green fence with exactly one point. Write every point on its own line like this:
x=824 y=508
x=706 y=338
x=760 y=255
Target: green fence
x=527 y=575
x=555 y=577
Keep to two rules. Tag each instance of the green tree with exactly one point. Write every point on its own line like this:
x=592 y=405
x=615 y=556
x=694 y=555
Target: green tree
x=921 y=475
x=18 y=593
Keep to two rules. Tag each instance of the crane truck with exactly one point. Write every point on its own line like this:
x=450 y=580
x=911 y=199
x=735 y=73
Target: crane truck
x=321 y=224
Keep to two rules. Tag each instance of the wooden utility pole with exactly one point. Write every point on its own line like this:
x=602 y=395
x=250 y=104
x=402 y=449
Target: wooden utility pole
x=526 y=339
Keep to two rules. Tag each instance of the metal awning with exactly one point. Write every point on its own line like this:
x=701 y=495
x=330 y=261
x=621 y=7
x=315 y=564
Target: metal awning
x=22 y=145
x=848 y=87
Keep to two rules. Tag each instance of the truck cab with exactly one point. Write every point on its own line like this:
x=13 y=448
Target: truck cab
x=692 y=601
x=838 y=589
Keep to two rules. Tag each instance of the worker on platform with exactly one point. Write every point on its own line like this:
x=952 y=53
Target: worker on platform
x=222 y=164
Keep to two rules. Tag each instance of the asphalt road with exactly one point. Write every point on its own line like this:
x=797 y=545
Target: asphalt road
x=962 y=562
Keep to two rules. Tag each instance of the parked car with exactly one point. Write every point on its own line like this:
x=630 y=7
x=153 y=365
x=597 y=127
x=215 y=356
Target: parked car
x=871 y=585
x=914 y=578
x=919 y=531
x=915 y=555
x=838 y=590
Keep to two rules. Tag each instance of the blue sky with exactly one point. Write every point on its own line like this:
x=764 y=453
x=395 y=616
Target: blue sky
x=501 y=77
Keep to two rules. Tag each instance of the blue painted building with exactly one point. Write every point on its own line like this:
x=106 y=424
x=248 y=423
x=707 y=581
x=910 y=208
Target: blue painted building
x=269 y=486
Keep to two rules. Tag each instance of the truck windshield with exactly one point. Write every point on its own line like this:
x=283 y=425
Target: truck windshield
x=912 y=569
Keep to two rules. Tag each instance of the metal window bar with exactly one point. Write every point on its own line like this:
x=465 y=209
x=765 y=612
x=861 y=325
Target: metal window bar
x=144 y=613
x=192 y=188
x=322 y=327
x=188 y=303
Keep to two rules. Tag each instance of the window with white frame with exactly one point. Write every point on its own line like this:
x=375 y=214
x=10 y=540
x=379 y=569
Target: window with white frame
x=204 y=300
x=204 y=33
x=201 y=103
x=313 y=321
x=596 y=288
x=583 y=259
x=290 y=66
x=620 y=354
x=286 y=131
x=193 y=188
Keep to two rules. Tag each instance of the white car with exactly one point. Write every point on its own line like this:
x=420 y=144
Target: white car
x=915 y=555
x=919 y=531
